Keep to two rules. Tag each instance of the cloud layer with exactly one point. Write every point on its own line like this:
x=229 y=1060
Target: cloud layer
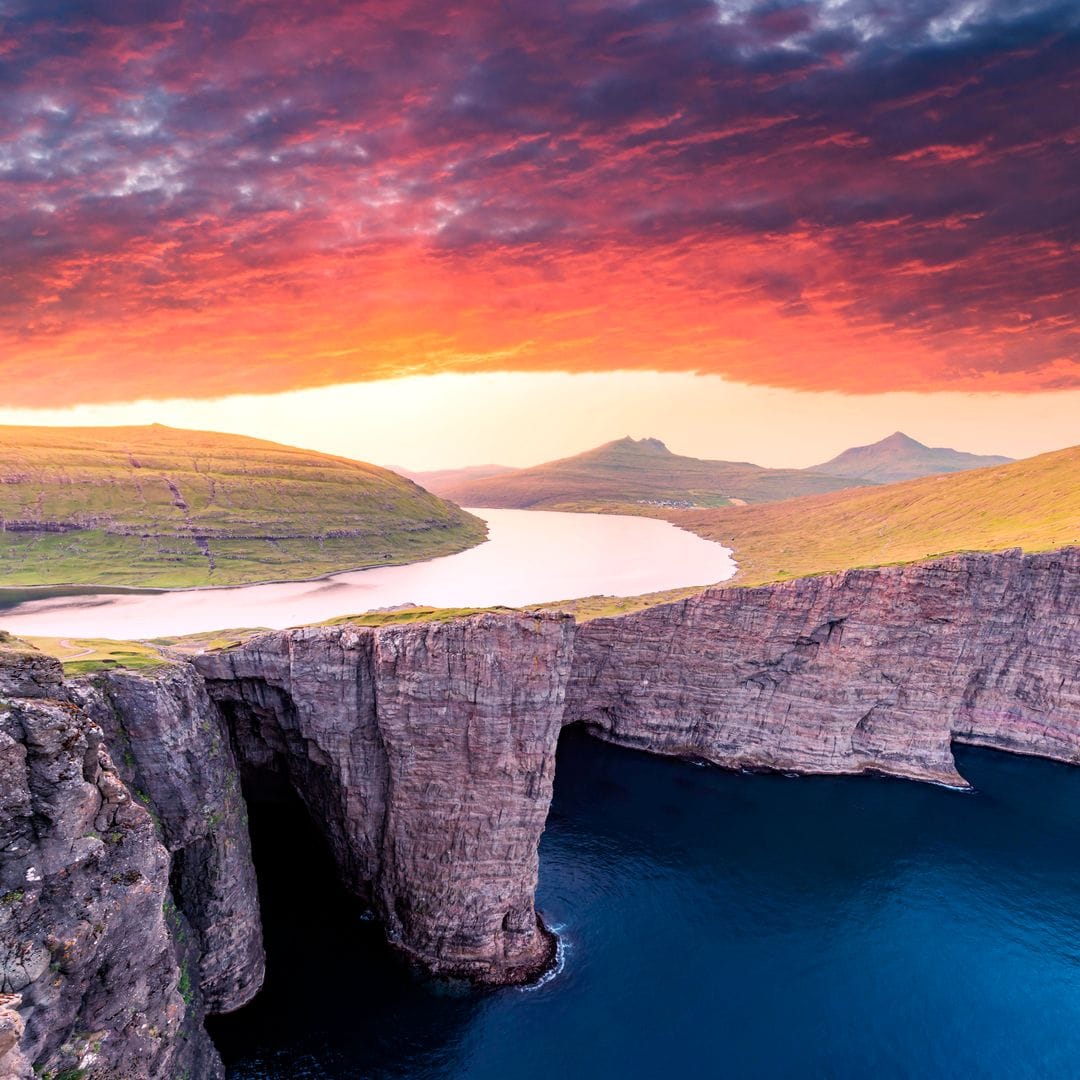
x=833 y=194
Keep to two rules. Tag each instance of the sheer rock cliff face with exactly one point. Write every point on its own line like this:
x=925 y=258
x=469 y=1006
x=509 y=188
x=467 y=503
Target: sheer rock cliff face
x=173 y=750
x=865 y=671
x=427 y=753
x=94 y=963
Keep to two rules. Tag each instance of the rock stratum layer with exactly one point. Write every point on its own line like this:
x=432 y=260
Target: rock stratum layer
x=99 y=972
x=425 y=754
x=864 y=671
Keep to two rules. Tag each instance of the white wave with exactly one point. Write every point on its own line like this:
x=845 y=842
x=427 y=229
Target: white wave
x=556 y=968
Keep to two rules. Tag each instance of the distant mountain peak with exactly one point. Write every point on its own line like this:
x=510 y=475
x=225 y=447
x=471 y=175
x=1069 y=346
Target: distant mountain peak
x=900 y=439
x=629 y=472
x=654 y=445
x=899 y=457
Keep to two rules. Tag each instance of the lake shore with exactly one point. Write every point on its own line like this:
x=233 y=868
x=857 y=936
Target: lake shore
x=530 y=557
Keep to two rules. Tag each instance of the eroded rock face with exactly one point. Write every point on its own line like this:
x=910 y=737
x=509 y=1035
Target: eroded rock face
x=171 y=746
x=865 y=671
x=13 y=1063
x=426 y=752
x=94 y=976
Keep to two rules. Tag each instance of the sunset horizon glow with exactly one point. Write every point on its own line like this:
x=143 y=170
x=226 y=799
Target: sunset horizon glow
x=834 y=196
x=519 y=419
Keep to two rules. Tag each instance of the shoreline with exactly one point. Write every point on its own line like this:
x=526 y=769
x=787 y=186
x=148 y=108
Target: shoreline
x=159 y=590
x=543 y=560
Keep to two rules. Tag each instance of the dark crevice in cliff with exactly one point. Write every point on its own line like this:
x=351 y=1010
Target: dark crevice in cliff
x=277 y=762
x=191 y=884
x=310 y=923
x=331 y=977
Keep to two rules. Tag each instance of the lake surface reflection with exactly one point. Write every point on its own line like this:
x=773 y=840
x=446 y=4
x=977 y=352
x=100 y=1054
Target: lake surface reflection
x=530 y=557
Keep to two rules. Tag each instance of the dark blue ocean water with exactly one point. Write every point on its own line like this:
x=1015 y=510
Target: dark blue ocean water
x=717 y=925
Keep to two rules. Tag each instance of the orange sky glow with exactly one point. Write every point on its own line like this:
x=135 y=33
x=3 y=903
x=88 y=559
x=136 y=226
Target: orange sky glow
x=403 y=311
x=518 y=418
x=847 y=198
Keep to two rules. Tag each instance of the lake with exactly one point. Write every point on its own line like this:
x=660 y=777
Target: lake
x=715 y=925
x=530 y=557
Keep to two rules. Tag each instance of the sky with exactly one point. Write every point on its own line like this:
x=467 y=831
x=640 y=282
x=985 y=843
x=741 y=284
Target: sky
x=520 y=418
x=868 y=207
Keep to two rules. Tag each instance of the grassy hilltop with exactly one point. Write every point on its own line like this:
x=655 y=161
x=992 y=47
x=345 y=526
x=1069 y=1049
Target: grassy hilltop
x=1033 y=504
x=161 y=507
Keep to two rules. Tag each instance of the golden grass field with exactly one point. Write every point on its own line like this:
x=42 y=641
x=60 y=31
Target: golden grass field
x=1032 y=504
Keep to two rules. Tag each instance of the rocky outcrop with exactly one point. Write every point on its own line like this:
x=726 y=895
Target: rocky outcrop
x=171 y=747
x=865 y=671
x=94 y=968
x=13 y=1062
x=128 y=907
x=426 y=752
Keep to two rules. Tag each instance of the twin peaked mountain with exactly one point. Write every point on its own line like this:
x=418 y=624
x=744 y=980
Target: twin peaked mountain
x=644 y=471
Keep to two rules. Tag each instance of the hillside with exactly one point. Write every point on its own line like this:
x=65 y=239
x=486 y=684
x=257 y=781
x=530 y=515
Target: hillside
x=160 y=507
x=629 y=473
x=437 y=479
x=900 y=457
x=1033 y=504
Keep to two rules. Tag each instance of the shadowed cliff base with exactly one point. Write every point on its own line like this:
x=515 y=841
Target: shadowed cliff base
x=335 y=991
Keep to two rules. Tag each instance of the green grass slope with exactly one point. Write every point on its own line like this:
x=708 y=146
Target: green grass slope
x=632 y=473
x=165 y=508
x=1033 y=504
x=84 y=656
x=900 y=457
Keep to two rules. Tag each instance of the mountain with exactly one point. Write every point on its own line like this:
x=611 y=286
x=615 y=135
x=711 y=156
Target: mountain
x=633 y=472
x=899 y=457
x=161 y=507
x=1033 y=504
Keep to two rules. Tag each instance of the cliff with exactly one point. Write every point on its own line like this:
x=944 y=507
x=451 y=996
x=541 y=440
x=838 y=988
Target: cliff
x=174 y=752
x=95 y=960
x=425 y=753
x=864 y=671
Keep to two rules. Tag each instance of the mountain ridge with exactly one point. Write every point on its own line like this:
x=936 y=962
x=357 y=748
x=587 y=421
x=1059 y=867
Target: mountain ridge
x=625 y=473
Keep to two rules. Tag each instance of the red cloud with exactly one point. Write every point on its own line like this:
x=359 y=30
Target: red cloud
x=294 y=194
